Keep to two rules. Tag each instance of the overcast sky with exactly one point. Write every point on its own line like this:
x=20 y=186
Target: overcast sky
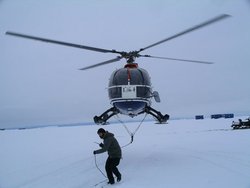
x=40 y=83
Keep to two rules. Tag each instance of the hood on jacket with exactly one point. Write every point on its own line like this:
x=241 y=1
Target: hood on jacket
x=108 y=134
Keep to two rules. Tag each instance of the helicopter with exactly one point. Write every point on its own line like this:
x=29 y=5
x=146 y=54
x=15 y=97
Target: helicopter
x=130 y=90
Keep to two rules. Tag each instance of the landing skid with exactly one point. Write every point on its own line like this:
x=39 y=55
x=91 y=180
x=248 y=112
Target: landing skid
x=102 y=119
x=157 y=123
x=162 y=119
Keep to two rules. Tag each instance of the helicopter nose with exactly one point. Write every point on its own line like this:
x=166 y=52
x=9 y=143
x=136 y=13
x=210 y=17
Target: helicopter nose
x=130 y=108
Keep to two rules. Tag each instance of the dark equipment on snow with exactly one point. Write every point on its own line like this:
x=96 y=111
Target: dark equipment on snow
x=241 y=124
x=226 y=116
x=199 y=117
x=130 y=89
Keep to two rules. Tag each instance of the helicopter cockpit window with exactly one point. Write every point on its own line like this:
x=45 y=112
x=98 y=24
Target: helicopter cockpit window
x=115 y=92
x=138 y=77
x=119 y=77
x=143 y=92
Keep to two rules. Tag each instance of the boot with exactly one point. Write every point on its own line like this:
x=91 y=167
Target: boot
x=119 y=178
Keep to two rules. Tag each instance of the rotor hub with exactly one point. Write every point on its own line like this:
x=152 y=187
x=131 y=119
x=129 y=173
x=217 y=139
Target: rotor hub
x=131 y=65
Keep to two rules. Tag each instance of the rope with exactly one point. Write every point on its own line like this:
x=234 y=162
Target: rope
x=99 y=168
x=129 y=132
x=100 y=182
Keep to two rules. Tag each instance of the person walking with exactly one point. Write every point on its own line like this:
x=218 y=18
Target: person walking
x=111 y=145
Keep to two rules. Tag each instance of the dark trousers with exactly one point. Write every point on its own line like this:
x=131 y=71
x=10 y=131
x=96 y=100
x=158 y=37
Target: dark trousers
x=111 y=167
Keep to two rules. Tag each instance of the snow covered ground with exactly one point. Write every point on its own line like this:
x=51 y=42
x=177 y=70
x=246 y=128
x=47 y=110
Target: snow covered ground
x=184 y=153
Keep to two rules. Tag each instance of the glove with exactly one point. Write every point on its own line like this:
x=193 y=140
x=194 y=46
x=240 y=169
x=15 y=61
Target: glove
x=94 y=152
x=101 y=145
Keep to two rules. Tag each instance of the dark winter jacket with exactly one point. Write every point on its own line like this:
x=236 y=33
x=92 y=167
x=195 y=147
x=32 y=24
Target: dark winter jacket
x=110 y=145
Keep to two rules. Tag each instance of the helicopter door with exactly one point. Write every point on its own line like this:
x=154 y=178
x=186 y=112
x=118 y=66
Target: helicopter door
x=129 y=92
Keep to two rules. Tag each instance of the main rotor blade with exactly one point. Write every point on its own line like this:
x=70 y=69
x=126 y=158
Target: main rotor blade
x=175 y=59
x=208 y=22
x=60 y=42
x=102 y=63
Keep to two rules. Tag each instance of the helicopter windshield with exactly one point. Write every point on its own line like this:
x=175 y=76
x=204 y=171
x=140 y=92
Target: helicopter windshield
x=138 y=76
